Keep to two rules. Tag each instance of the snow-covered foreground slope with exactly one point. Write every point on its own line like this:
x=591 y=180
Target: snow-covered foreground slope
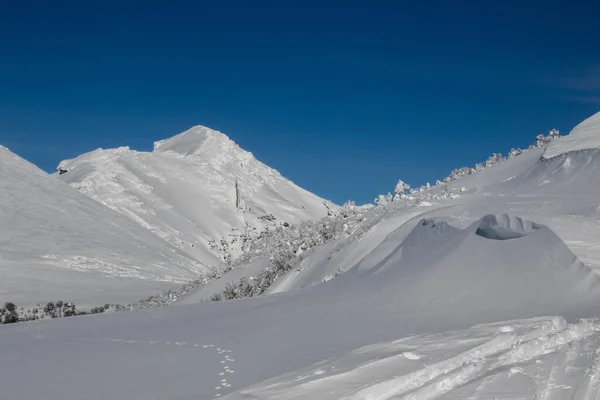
x=398 y=330
x=57 y=244
x=198 y=191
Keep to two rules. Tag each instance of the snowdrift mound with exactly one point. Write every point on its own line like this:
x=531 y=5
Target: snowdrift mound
x=495 y=265
x=56 y=243
x=584 y=136
x=198 y=190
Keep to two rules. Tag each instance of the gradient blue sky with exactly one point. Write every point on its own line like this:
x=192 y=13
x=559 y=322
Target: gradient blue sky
x=342 y=97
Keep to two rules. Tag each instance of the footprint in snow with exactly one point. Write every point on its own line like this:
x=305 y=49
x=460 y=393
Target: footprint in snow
x=223 y=383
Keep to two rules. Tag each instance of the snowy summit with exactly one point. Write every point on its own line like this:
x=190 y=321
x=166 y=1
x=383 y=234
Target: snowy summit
x=198 y=190
x=199 y=140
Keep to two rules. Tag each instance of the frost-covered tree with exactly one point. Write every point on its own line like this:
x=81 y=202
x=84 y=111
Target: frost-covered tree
x=59 y=308
x=50 y=310
x=459 y=173
x=69 y=310
x=401 y=189
x=514 y=153
x=9 y=314
x=10 y=307
x=494 y=159
x=541 y=140
x=382 y=199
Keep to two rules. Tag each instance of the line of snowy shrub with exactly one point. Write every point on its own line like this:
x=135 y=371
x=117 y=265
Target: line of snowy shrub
x=11 y=313
x=404 y=191
x=495 y=158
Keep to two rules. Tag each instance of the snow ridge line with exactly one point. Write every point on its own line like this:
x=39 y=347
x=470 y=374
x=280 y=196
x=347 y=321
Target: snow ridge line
x=472 y=363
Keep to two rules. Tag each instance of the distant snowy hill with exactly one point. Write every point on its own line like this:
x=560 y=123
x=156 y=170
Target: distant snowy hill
x=198 y=190
x=57 y=244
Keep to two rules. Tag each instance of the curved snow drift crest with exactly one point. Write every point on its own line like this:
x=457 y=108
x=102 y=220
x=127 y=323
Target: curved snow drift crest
x=505 y=227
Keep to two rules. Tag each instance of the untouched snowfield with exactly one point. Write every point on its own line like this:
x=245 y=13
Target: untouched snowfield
x=57 y=244
x=198 y=190
x=485 y=288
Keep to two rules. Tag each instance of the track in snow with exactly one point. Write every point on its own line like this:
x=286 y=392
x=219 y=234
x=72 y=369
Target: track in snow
x=509 y=357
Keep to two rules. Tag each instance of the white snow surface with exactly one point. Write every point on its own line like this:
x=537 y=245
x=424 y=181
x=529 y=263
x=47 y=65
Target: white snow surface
x=584 y=136
x=490 y=292
x=57 y=244
x=185 y=192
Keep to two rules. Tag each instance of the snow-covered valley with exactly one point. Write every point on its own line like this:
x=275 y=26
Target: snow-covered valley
x=486 y=286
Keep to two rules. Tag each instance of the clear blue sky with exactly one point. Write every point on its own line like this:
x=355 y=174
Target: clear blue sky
x=342 y=97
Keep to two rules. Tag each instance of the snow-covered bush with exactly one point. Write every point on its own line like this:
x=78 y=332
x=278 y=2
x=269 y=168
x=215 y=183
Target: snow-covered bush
x=259 y=284
x=514 y=153
x=383 y=199
x=459 y=173
x=494 y=159
x=11 y=313
x=542 y=140
x=286 y=246
x=401 y=189
x=8 y=314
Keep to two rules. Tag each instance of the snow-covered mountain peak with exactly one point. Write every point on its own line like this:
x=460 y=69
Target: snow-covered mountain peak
x=584 y=136
x=197 y=190
x=198 y=140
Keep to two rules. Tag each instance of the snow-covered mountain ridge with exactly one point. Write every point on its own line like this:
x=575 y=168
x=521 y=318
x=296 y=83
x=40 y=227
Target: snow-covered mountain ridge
x=198 y=190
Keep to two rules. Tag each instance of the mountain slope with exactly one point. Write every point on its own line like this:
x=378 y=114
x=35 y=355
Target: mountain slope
x=562 y=193
x=56 y=243
x=198 y=191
